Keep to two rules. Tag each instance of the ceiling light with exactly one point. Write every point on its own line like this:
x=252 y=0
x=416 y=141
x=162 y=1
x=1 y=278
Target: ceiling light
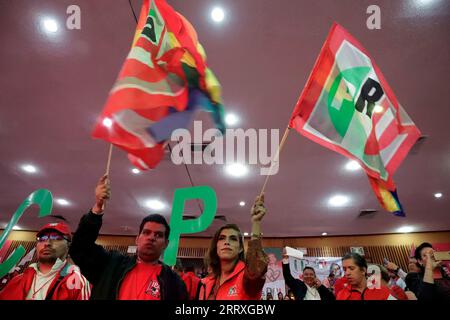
x=155 y=204
x=135 y=171
x=438 y=195
x=424 y=2
x=236 y=170
x=217 y=14
x=324 y=233
x=17 y=228
x=29 y=168
x=245 y=234
x=405 y=229
x=231 y=119
x=107 y=122
x=338 y=201
x=50 y=25
x=242 y=203
x=62 y=202
x=352 y=165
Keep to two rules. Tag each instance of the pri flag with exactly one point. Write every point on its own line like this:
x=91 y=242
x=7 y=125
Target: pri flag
x=163 y=83
x=348 y=107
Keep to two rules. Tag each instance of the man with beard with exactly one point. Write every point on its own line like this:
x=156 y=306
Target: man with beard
x=52 y=277
x=116 y=276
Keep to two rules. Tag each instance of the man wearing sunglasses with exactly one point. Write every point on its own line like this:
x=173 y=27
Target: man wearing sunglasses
x=52 y=277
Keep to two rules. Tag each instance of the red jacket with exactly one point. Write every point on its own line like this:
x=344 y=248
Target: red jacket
x=235 y=287
x=192 y=283
x=347 y=293
x=73 y=286
x=398 y=292
x=339 y=285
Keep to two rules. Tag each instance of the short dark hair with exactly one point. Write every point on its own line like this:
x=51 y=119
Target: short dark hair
x=357 y=258
x=417 y=253
x=178 y=265
x=310 y=268
x=157 y=218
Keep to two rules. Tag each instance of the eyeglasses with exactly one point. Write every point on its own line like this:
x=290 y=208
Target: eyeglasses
x=47 y=237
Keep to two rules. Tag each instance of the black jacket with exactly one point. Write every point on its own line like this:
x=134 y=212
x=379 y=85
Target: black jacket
x=427 y=291
x=106 y=269
x=299 y=288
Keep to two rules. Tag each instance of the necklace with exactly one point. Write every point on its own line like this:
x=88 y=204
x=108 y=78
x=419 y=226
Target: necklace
x=33 y=296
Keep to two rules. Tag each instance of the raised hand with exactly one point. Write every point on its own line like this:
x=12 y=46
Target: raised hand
x=258 y=210
x=102 y=193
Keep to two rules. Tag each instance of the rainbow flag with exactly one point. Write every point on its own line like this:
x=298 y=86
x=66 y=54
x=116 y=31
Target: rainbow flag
x=162 y=84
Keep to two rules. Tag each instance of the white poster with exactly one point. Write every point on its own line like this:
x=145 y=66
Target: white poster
x=274 y=287
x=322 y=265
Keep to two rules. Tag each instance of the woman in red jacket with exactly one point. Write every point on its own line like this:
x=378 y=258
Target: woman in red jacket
x=235 y=276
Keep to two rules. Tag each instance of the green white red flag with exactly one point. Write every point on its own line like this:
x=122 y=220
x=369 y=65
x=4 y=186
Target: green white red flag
x=348 y=106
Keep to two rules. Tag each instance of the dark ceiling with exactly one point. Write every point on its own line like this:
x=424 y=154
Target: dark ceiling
x=53 y=86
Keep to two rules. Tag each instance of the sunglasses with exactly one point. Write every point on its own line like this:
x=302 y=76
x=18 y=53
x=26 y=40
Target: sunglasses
x=48 y=237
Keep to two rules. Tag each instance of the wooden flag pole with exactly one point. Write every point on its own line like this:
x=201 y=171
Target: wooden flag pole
x=108 y=167
x=108 y=163
x=275 y=159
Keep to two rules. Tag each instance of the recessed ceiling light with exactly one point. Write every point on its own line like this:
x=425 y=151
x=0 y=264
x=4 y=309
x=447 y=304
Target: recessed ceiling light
x=231 y=119
x=438 y=195
x=62 y=202
x=107 y=122
x=405 y=229
x=424 y=2
x=236 y=170
x=217 y=14
x=242 y=203
x=50 y=25
x=155 y=204
x=29 y=168
x=338 y=201
x=378 y=109
x=352 y=165
x=135 y=171
x=324 y=233
x=245 y=234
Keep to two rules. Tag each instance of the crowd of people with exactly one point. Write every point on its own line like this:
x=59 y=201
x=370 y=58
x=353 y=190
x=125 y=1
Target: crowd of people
x=76 y=268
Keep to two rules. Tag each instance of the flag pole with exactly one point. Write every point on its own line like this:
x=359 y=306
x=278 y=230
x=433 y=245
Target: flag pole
x=108 y=166
x=108 y=163
x=283 y=140
x=275 y=159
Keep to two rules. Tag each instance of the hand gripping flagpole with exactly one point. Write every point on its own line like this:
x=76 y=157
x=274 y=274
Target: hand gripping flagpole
x=275 y=159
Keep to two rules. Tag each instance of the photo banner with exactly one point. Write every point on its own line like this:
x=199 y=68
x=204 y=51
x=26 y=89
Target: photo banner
x=275 y=284
x=322 y=265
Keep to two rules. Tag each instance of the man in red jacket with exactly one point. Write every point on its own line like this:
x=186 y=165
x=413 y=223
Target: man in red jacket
x=356 y=286
x=53 y=277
